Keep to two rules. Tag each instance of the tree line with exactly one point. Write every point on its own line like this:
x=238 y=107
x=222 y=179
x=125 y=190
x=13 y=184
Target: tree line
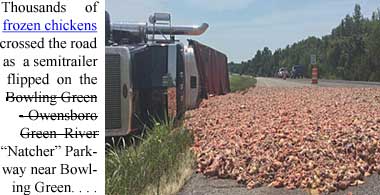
x=350 y=52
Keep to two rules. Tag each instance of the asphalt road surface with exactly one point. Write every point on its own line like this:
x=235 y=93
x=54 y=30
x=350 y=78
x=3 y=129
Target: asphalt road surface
x=200 y=185
x=276 y=82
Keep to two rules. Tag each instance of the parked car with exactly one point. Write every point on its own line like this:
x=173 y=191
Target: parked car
x=283 y=73
x=298 y=71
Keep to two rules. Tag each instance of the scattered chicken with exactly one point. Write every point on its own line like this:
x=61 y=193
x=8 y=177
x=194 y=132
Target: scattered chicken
x=320 y=138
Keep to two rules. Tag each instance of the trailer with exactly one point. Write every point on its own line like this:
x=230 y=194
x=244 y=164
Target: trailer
x=212 y=67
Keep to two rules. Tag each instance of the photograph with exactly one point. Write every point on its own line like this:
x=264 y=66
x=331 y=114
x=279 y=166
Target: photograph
x=242 y=97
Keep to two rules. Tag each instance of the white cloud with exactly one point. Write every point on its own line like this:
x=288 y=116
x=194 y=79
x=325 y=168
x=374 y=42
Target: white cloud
x=139 y=10
x=220 y=5
x=135 y=10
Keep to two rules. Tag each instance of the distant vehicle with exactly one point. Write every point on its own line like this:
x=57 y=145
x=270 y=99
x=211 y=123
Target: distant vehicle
x=298 y=71
x=283 y=73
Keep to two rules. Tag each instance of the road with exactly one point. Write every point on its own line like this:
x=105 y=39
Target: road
x=200 y=185
x=274 y=82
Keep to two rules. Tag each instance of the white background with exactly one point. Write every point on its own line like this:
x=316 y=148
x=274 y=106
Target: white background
x=11 y=124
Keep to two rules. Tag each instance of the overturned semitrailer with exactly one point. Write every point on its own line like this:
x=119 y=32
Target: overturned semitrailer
x=148 y=77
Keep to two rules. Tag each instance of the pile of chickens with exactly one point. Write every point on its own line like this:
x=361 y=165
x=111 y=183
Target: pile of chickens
x=320 y=138
x=172 y=101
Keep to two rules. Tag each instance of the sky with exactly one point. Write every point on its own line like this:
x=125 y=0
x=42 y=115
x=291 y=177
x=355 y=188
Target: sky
x=239 y=28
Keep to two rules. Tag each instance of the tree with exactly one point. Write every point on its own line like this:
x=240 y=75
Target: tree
x=373 y=45
x=352 y=51
x=358 y=18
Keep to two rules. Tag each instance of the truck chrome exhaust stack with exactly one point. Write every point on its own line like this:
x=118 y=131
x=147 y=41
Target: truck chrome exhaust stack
x=160 y=26
x=166 y=30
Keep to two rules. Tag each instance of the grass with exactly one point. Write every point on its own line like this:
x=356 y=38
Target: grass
x=240 y=83
x=160 y=164
x=172 y=183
